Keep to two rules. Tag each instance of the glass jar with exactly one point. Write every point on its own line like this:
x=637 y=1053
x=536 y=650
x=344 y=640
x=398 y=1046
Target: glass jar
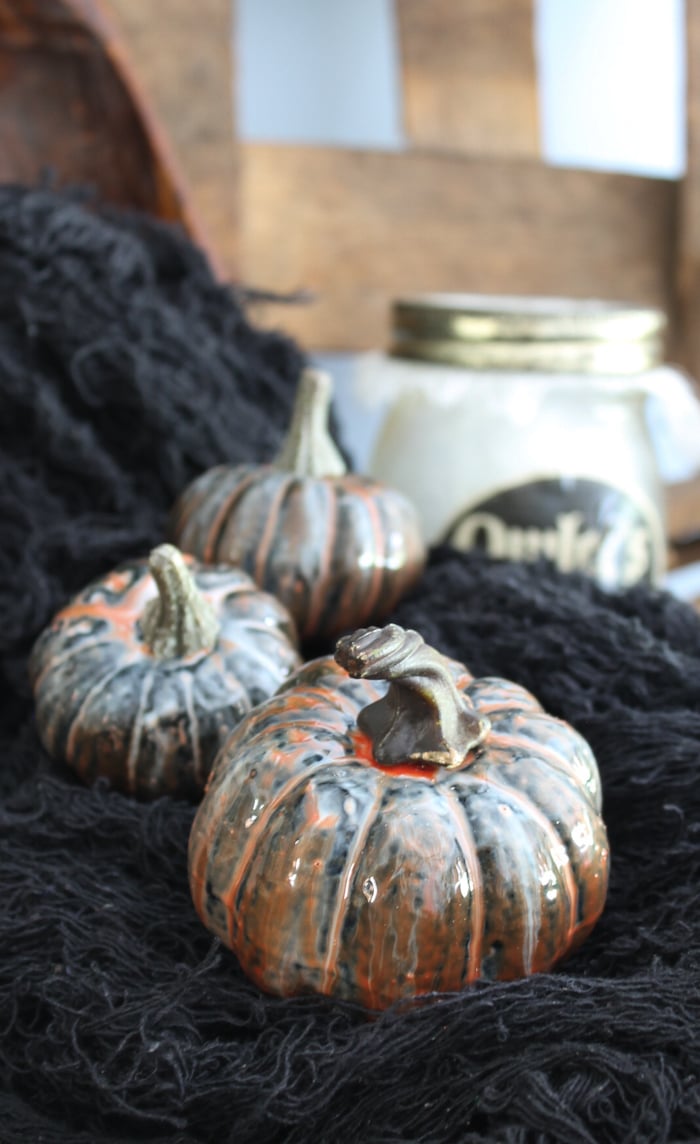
x=518 y=426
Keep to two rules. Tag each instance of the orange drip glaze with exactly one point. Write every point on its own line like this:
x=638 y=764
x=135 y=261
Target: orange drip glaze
x=362 y=748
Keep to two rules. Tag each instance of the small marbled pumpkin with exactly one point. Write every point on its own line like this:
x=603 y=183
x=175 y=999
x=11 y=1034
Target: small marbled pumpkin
x=398 y=830
x=338 y=549
x=143 y=675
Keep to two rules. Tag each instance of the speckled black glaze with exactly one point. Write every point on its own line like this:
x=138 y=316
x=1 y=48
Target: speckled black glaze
x=107 y=706
x=327 y=872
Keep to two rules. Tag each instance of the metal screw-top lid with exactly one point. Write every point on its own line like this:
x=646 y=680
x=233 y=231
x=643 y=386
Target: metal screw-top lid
x=550 y=335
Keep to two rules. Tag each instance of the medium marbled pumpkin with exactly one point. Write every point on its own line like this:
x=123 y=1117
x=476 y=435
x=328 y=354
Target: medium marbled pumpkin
x=338 y=549
x=142 y=677
x=411 y=831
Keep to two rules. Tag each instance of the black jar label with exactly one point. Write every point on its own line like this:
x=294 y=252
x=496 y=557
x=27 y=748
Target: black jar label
x=576 y=523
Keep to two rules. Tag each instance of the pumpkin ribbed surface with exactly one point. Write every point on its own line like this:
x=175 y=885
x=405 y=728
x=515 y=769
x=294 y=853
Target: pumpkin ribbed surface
x=324 y=871
x=107 y=706
x=336 y=550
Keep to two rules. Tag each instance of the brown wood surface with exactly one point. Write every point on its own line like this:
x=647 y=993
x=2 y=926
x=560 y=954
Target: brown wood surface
x=359 y=228
x=688 y=268
x=683 y=500
x=182 y=51
x=469 y=76
x=69 y=106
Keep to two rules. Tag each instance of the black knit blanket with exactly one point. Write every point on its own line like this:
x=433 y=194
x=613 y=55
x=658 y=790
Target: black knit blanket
x=125 y=370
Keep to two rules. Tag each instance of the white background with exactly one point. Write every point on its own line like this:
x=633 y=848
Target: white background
x=611 y=78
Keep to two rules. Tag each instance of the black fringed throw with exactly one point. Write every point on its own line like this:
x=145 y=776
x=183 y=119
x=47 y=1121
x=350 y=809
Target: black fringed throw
x=124 y=370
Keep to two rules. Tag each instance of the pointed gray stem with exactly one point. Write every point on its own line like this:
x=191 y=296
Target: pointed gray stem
x=179 y=621
x=422 y=717
x=309 y=449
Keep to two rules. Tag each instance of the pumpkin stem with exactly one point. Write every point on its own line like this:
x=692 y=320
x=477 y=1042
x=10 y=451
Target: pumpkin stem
x=309 y=449
x=423 y=717
x=179 y=621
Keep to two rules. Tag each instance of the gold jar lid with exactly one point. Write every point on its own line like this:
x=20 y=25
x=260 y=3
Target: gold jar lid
x=551 y=335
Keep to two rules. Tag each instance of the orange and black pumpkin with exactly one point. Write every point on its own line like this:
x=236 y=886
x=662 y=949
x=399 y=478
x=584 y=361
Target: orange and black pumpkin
x=142 y=677
x=388 y=826
x=338 y=549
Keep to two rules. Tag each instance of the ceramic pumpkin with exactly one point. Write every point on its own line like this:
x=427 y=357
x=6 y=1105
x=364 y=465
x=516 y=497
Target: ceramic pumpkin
x=387 y=826
x=338 y=549
x=143 y=675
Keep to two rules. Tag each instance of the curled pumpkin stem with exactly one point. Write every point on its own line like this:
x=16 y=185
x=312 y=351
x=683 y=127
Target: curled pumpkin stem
x=309 y=449
x=423 y=717
x=179 y=621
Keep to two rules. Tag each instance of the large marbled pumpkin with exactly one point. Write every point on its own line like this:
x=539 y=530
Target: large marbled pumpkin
x=143 y=676
x=333 y=856
x=338 y=549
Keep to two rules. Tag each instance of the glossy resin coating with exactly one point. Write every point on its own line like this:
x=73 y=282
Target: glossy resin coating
x=327 y=871
x=152 y=720
x=338 y=549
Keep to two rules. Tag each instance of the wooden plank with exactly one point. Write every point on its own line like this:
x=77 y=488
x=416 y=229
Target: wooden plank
x=69 y=104
x=359 y=228
x=688 y=279
x=469 y=75
x=183 y=54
